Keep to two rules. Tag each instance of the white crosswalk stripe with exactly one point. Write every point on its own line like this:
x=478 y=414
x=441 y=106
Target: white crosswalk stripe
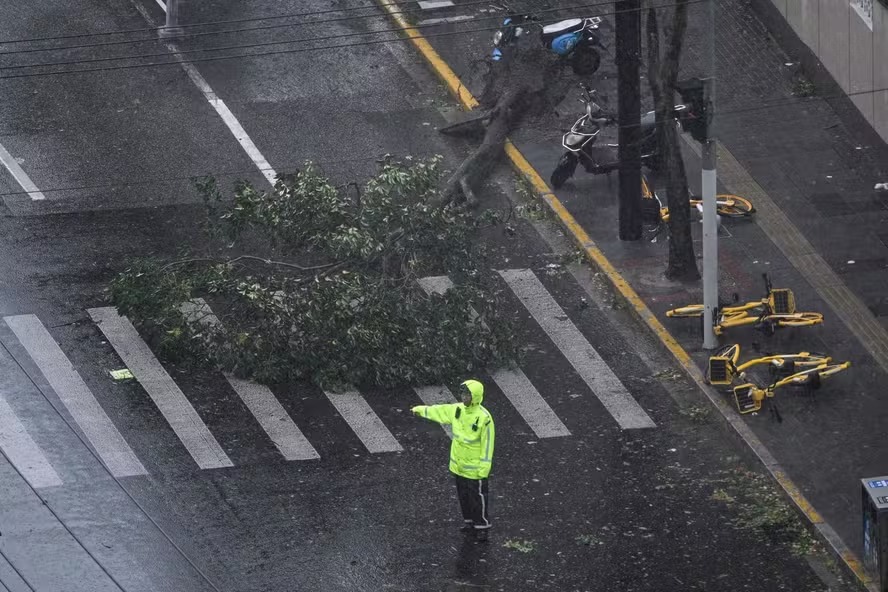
x=22 y=451
x=364 y=422
x=514 y=383
x=576 y=348
x=170 y=400
x=436 y=395
x=261 y=402
x=76 y=396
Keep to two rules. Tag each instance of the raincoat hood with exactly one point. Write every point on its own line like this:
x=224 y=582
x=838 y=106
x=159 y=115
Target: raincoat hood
x=477 y=391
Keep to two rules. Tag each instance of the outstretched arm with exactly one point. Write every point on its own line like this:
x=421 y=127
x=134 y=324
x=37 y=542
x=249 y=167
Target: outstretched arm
x=443 y=414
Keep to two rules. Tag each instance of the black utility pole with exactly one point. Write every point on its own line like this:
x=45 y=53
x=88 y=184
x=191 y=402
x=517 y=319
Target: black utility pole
x=628 y=25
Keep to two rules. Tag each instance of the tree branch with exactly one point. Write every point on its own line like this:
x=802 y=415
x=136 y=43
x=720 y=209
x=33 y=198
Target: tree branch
x=250 y=258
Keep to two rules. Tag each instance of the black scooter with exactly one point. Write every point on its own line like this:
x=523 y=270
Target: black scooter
x=581 y=148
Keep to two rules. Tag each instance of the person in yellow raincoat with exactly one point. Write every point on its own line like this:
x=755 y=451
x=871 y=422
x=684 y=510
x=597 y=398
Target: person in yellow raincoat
x=471 y=452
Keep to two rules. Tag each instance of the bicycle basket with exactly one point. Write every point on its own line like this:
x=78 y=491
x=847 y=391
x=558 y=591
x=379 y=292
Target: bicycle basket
x=746 y=401
x=782 y=301
x=721 y=371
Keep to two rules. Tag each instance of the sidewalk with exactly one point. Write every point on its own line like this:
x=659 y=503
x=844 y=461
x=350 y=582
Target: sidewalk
x=810 y=172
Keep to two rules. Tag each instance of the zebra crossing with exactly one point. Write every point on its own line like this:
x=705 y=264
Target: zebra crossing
x=282 y=429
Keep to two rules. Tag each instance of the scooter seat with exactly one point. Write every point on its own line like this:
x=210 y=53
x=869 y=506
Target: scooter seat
x=554 y=30
x=648 y=122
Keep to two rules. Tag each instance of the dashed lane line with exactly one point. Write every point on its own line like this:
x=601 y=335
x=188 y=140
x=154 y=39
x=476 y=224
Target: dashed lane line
x=22 y=451
x=364 y=422
x=76 y=396
x=170 y=400
x=19 y=175
x=576 y=348
x=231 y=122
x=514 y=383
x=433 y=4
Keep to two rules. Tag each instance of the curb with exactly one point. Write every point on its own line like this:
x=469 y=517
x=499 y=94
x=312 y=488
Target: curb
x=637 y=305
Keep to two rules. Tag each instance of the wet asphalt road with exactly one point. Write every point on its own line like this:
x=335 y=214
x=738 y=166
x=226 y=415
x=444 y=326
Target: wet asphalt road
x=351 y=520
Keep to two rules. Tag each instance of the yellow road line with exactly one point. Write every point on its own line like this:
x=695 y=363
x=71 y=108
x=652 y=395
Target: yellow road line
x=581 y=237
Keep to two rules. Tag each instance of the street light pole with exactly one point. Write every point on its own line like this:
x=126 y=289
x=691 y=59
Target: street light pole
x=710 y=214
x=172 y=19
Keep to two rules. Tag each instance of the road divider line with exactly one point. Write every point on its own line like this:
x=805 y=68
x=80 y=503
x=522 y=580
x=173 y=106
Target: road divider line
x=19 y=175
x=218 y=105
x=107 y=441
x=636 y=304
x=432 y=4
x=23 y=452
x=585 y=360
x=446 y=19
x=259 y=399
x=514 y=384
x=364 y=422
x=436 y=395
x=170 y=400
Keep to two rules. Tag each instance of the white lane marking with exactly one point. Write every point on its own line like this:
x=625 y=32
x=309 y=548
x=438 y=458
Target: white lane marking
x=526 y=399
x=259 y=399
x=219 y=106
x=23 y=452
x=170 y=400
x=578 y=351
x=435 y=395
x=432 y=4
x=364 y=422
x=19 y=175
x=76 y=396
x=274 y=419
x=162 y=5
x=529 y=403
x=446 y=19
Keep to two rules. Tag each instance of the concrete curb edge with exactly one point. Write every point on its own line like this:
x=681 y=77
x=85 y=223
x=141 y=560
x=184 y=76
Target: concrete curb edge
x=597 y=257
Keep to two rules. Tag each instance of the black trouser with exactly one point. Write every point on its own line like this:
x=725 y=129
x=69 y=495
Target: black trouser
x=473 y=501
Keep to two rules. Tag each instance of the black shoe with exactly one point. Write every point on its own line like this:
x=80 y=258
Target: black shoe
x=467 y=527
x=481 y=535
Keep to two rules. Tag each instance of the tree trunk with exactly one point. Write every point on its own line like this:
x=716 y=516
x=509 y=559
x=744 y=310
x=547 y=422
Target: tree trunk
x=628 y=25
x=504 y=117
x=527 y=83
x=663 y=76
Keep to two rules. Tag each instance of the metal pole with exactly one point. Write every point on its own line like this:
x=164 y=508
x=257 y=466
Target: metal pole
x=710 y=215
x=172 y=19
x=628 y=22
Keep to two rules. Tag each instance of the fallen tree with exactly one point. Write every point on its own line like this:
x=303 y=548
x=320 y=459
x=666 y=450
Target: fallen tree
x=525 y=85
x=314 y=282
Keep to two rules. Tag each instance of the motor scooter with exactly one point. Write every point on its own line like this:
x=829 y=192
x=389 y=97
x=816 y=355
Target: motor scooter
x=580 y=142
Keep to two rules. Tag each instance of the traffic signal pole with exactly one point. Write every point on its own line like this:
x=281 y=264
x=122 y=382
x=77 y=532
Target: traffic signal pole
x=710 y=214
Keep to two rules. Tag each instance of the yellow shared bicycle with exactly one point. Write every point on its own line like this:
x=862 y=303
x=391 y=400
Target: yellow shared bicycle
x=728 y=205
x=724 y=367
x=777 y=309
x=749 y=396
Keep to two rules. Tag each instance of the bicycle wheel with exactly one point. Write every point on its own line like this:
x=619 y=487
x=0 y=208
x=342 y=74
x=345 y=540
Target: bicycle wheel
x=686 y=312
x=736 y=206
x=798 y=319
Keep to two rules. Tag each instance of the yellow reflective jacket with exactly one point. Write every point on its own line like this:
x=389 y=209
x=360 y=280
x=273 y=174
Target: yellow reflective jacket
x=471 y=451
